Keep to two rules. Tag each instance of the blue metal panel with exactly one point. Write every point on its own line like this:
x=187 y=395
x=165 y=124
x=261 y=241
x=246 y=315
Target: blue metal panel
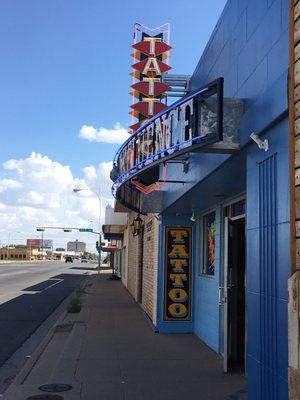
x=222 y=183
x=267 y=272
x=254 y=327
x=268 y=31
x=205 y=309
x=239 y=36
x=252 y=252
x=257 y=83
x=285 y=15
x=254 y=67
x=254 y=383
x=266 y=109
x=206 y=302
x=278 y=55
x=200 y=166
x=249 y=47
x=256 y=9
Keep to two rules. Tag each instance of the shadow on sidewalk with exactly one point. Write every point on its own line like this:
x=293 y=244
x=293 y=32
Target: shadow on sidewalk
x=21 y=316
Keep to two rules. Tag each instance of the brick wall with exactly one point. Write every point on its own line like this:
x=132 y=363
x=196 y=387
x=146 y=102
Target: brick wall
x=141 y=275
x=294 y=281
x=133 y=274
x=150 y=258
x=125 y=257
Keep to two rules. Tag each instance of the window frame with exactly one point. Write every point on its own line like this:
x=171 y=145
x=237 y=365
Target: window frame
x=203 y=247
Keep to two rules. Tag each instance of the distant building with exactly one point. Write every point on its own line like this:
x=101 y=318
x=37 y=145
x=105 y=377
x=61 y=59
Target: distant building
x=18 y=253
x=58 y=255
x=39 y=243
x=114 y=218
x=76 y=246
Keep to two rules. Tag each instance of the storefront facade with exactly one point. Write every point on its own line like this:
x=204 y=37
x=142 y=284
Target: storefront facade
x=223 y=213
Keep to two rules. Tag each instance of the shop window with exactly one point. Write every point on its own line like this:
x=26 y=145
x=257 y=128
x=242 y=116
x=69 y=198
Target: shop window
x=24 y=255
x=209 y=244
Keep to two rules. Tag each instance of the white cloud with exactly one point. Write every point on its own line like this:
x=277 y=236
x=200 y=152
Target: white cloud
x=116 y=135
x=6 y=184
x=37 y=191
x=32 y=199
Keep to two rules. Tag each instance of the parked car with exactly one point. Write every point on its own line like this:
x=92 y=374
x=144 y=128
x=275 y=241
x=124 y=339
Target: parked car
x=84 y=259
x=69 y=259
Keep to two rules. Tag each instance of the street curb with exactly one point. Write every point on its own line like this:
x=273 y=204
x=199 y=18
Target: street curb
x=32 y=361
x=23 y=262
x=22 y=375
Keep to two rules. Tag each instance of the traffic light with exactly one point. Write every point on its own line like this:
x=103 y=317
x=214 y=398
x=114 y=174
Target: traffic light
x=40 y=229
x=97 y=245
x=67 y=230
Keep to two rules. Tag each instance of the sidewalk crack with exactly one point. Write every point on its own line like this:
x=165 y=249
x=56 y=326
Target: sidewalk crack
x=79 y=354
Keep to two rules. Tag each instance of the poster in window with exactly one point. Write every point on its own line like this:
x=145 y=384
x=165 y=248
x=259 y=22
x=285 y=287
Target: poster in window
x=209 y=243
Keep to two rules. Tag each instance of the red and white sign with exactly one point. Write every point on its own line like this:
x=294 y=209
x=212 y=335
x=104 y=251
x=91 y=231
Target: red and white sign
x=149 y=107
x=150 y=55
x=151 y=67
x=150 y=87
x=152 y=46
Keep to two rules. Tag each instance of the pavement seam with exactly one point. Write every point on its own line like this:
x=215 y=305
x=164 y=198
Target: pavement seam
x=80 y=351
x=80 y=391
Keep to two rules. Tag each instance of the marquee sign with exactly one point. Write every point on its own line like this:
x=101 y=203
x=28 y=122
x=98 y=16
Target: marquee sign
x=150 y=54
x=190 y=123
x=178 y=274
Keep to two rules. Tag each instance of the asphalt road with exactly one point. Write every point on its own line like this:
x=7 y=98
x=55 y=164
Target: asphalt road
x=29 y=293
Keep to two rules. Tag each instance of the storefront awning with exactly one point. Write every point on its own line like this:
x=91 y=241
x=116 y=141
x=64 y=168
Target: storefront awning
x=110 y=248
x=113 y=232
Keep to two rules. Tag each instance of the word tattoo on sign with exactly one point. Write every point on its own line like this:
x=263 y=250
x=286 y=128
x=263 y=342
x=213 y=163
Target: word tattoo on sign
x=178 y=265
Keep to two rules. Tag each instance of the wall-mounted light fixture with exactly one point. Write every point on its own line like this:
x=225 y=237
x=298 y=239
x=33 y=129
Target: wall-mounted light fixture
x=137 y=225
x=193 y=216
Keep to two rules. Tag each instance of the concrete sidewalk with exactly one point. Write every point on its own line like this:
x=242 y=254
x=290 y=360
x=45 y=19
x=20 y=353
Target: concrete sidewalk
x=109 y=352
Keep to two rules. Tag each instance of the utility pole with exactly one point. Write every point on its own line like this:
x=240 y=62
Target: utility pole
x=99 y=252
x=42 y=245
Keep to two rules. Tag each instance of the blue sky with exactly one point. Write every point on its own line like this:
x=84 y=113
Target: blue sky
x=66 y=63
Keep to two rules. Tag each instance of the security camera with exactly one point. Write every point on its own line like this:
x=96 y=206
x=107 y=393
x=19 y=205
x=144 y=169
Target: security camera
x=262 y=144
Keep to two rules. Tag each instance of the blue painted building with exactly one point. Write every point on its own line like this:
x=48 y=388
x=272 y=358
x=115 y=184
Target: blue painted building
x=238 y=204
x=249 y=48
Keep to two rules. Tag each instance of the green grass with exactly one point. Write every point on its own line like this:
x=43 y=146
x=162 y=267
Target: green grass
x=75 y=302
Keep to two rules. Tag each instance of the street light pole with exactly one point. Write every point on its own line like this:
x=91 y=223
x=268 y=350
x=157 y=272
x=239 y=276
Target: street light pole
x=99 y=248
x=7 y=249
x=42 y=245
x=99 y=253
x=41 y=230
x=76 y=190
